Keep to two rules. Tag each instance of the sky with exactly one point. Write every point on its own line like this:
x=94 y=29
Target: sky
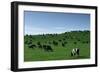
x=54 y=22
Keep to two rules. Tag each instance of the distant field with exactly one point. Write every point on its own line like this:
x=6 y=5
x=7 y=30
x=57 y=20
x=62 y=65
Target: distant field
x=60 y=46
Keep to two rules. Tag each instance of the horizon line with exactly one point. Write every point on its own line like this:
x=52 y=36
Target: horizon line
x=56 y=32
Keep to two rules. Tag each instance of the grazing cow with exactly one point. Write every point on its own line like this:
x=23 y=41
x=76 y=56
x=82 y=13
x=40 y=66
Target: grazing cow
x=44 y=46
x=75 y=52
x=87 y=42
x=63 y=44
x=40 y=46
x=47 y=48
x=55 y=43
x=60 y=40
x=38 y=43
x=64 y=39
x=75 y=42
x=32 y=46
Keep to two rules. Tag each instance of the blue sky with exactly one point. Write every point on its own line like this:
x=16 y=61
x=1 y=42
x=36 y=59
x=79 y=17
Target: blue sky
x=51 y=22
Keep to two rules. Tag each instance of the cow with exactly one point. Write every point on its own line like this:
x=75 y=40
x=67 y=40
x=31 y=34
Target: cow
x=60 y=40
x=75 y=42
x=55 y=43
x=47 y=48
x=32 y=46
x=63 y=44
x=40 y=46
x=75 y=52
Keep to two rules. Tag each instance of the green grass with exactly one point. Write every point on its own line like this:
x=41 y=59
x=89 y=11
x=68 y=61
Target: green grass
x=59 y=52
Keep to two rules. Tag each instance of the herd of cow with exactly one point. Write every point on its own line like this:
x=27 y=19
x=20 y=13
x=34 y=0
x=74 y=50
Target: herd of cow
x=48 y=48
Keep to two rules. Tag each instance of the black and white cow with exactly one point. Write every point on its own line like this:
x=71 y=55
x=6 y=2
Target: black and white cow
x=75 y=52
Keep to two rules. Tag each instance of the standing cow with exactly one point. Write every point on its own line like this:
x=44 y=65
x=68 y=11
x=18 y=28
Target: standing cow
x=75 y=52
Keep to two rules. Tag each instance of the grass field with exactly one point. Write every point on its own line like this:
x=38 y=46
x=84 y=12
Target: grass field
x=61 y=45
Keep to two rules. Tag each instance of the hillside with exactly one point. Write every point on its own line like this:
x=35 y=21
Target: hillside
x=60 y=46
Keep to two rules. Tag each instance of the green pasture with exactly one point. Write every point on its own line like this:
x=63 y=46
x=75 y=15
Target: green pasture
x=74 y=39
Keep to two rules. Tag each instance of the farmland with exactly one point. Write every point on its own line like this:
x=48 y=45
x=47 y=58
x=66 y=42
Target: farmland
x=60 y=46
